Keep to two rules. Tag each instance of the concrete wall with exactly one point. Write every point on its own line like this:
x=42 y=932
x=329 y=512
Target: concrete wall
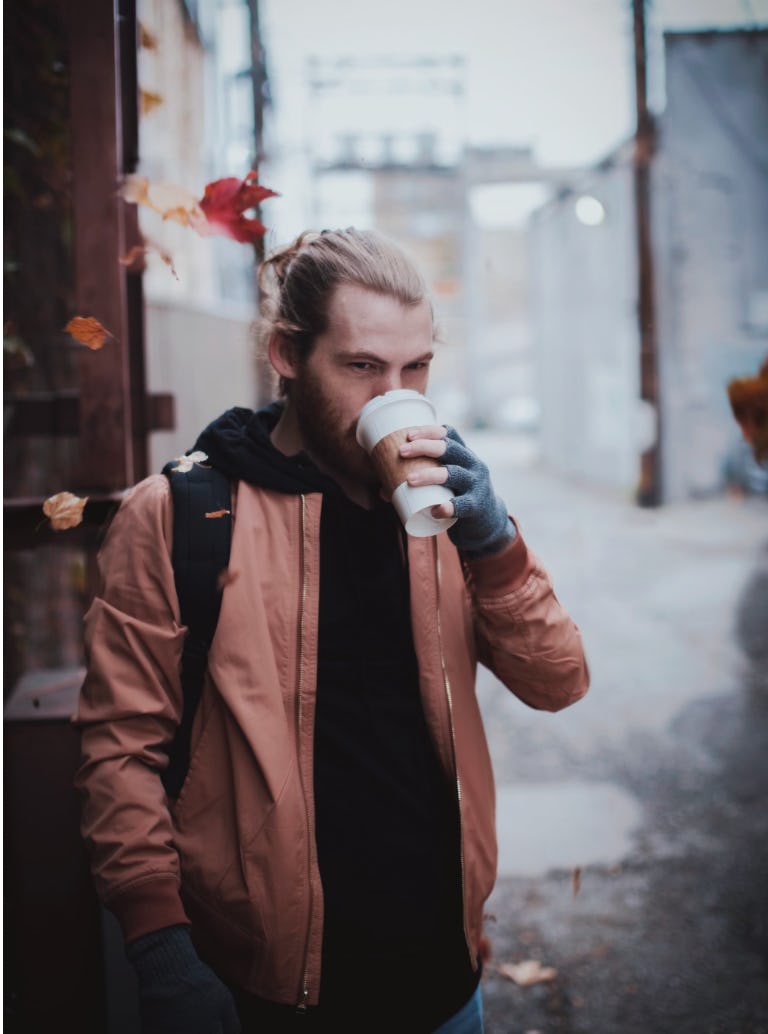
x=710 y=237
x=711 y=234
x=585 y=336
x=205 y=357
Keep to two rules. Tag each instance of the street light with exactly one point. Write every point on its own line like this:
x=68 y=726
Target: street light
x=589 y=210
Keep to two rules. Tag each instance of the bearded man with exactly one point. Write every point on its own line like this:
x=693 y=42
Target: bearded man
x=325 y=864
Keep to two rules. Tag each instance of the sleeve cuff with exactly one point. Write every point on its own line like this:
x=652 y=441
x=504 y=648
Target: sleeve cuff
x=148 y=906
x=501 y=572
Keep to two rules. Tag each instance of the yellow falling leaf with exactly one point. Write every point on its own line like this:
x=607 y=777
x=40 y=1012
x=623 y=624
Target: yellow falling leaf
x=167 y=199
x=147 y=39
x=88 y=331
x=64 y=510
x=138 y=251
x=148 y=101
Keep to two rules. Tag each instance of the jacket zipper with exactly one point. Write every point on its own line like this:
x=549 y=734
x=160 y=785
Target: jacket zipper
x=304 y=998
x=449 y=698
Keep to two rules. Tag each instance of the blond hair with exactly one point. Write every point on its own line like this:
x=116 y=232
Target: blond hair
x=296 y=282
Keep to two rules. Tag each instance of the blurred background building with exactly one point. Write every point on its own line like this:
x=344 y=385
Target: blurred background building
x=710 y=247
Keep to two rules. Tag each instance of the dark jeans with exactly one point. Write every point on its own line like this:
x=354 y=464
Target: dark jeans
x=266 y=1018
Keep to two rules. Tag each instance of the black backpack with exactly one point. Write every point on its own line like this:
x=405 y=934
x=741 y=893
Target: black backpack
x=202 y=536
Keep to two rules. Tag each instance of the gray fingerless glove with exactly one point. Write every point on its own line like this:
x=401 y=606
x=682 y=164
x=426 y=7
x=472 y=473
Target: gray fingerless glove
x=483 y=525
x=179 y=994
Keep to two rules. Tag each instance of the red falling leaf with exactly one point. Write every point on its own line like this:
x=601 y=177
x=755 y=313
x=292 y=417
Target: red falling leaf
x=224 y=203
x=88 y=331
x=217 y=513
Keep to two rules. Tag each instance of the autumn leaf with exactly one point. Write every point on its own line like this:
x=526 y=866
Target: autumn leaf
x=167 y=199
x=148 y=101
x=88 y=331
x=64 y=510
x=138 y=251
x=527 y=973
x=187 y=462
x=749 y=402
x=146 y=38
x=224 y=203
x=217 y=513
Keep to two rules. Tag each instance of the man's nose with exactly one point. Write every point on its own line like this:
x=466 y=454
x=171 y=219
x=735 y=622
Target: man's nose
x=392 y=380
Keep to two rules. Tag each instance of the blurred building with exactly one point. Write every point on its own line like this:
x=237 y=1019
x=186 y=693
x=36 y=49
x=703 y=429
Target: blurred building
x=399 y=162
x=709 y=210
x=198 y=68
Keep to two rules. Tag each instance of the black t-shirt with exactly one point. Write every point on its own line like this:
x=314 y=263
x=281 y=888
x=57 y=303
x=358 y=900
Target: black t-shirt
x=387 y=821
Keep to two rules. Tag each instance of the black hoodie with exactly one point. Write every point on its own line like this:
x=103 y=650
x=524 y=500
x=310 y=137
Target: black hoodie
x=386 y=815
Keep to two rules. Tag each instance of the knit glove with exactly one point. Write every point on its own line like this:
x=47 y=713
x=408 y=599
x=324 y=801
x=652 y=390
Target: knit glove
x=483 y=525
x=179 y=994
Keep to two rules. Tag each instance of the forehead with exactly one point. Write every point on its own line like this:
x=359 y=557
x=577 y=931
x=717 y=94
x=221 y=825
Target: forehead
x=358 y=317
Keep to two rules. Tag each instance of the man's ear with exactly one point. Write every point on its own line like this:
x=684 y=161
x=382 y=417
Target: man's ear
x=282 y=356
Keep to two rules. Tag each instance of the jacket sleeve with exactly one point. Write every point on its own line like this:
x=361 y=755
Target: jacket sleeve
x=523 y=633
x=129 y=707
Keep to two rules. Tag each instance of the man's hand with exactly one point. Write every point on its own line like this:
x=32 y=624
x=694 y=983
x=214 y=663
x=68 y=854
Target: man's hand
x=179 y=994
x=483 y=525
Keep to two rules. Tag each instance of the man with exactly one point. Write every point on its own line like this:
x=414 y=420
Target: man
x=326 y=862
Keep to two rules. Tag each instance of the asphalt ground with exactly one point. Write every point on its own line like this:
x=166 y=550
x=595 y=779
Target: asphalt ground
x=634 y=825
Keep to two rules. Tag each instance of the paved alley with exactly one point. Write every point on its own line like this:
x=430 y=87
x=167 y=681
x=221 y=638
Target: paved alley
x=633 y=826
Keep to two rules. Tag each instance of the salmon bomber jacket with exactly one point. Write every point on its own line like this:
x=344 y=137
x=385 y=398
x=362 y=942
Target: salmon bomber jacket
x=234 y=854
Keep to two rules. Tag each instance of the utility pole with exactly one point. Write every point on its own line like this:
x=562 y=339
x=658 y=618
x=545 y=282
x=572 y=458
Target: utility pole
x=259 y=86
x=649 y=486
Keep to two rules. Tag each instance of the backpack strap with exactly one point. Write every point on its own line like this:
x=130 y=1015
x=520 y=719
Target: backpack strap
x=202 y=536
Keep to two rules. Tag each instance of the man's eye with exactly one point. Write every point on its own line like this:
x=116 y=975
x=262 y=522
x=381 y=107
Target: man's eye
x=421 y=365
x=361 y=366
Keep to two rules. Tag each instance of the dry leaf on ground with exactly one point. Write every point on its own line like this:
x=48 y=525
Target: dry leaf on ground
x=88 y=331
x=527 y=973
x=576 y=880
x=64 y=510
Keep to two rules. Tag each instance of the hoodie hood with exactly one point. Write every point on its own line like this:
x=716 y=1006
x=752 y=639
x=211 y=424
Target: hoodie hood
x=238 y=444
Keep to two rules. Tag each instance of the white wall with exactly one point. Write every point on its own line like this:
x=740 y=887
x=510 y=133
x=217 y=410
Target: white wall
x=205 y=358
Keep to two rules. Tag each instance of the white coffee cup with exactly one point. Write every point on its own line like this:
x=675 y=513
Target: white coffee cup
x=381 y=429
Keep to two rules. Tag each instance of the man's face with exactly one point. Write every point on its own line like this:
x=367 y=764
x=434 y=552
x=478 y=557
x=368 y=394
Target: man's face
x=373 y=344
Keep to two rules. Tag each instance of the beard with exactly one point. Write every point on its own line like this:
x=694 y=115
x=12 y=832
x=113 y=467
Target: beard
x=328 y=437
